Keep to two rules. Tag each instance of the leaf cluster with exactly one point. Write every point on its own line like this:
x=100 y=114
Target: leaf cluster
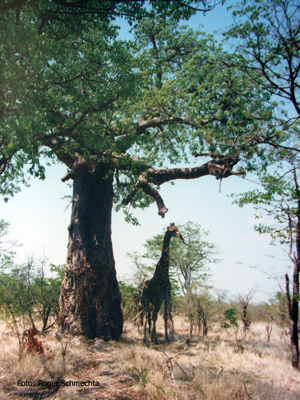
x=126 y=105
x=6 y=247
x=278 y=201
x=188 y=261
x=230 y=316
x=266 y=36
x=26 y=293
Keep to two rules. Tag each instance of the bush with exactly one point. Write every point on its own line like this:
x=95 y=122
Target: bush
x=26 y=293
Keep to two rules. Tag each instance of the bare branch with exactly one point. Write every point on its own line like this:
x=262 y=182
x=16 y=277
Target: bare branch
x=288 y=296
x=220 y=167
x=151 y=191
x=205 y=9
x=57 y=144
x=158 y=122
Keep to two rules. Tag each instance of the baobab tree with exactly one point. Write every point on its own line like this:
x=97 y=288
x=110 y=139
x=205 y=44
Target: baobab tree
x=115 y=113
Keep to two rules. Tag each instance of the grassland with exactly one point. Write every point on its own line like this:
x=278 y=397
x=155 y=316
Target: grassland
x=224 y=365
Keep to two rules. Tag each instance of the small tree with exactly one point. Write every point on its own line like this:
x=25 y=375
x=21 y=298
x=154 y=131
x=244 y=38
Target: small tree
x=199 y=308
x=245 y=315
x=188 y=269
x=27 y=294
x=45 y=292
x=191 y=260
x=280 y=200
x=230 y=318
x=276 y=312
x=188 y=259
x=6 y=252
x=130 y=300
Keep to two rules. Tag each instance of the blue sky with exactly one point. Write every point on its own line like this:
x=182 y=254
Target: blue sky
x=39 y=217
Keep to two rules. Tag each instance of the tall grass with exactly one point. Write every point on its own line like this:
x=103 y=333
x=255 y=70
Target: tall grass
x=224 y=365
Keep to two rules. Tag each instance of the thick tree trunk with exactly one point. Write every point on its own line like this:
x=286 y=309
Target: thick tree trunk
x=90 y=300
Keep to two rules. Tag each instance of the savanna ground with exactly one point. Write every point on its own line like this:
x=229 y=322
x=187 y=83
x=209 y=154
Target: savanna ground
x=224 y=365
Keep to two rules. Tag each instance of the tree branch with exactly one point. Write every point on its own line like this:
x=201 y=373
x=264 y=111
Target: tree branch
x=151 y=191
x=11 y=5
x=157 y=122
x=56 y=144
x=204 y=10
x=288 y=296
x=219 y=167
x=80 y=166
x=124 y=141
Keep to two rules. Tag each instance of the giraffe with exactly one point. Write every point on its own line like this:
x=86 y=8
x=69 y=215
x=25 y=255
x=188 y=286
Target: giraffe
x=158 y=289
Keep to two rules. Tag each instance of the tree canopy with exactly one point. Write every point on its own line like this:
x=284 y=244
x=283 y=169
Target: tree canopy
x=127 y=111
x=278 y=200
x=75 y=14
x=131 y=106
x=266 y=35
x=189 y=259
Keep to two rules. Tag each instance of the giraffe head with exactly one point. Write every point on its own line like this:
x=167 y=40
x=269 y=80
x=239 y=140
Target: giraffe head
x=174 y=231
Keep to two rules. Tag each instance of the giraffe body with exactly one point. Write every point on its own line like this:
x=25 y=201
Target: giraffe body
x=158 y=289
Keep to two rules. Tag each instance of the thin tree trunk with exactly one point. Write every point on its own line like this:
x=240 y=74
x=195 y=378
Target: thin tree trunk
x=293 y=303
x=90 y=300
x=295 y=300
x=293 y=313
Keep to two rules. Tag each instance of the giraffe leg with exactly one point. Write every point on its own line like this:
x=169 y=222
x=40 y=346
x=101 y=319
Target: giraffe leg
x=145 y=314
x=166 y=314
x=149 y=321
x=154 y=318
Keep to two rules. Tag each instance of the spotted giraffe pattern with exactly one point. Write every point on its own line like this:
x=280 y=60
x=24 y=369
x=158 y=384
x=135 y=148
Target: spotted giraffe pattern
x=158 y=289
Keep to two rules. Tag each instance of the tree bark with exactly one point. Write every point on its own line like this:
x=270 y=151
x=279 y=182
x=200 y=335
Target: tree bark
x=293 y=313
x=293 y=303
x=90 y=300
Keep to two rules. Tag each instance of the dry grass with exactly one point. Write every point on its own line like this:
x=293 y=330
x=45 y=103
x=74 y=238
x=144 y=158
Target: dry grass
x=222 y=366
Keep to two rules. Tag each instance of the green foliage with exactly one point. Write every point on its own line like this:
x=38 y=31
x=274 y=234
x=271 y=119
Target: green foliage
x=58 y=19
x=267 y=31
x=265 y=34
x=15 y=293
x=275 y=310
x=230 y=316
x=188 y=272
x=59 y=270
x=27 y=294
x=130 y=299
x=6 y=252
x=141 y=375
x=141 y=270
x=198 y=306
x=128 y=105
x=189 y=260
x=279 y=202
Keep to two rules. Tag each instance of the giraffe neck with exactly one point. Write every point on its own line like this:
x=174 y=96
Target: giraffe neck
x=164 y=261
